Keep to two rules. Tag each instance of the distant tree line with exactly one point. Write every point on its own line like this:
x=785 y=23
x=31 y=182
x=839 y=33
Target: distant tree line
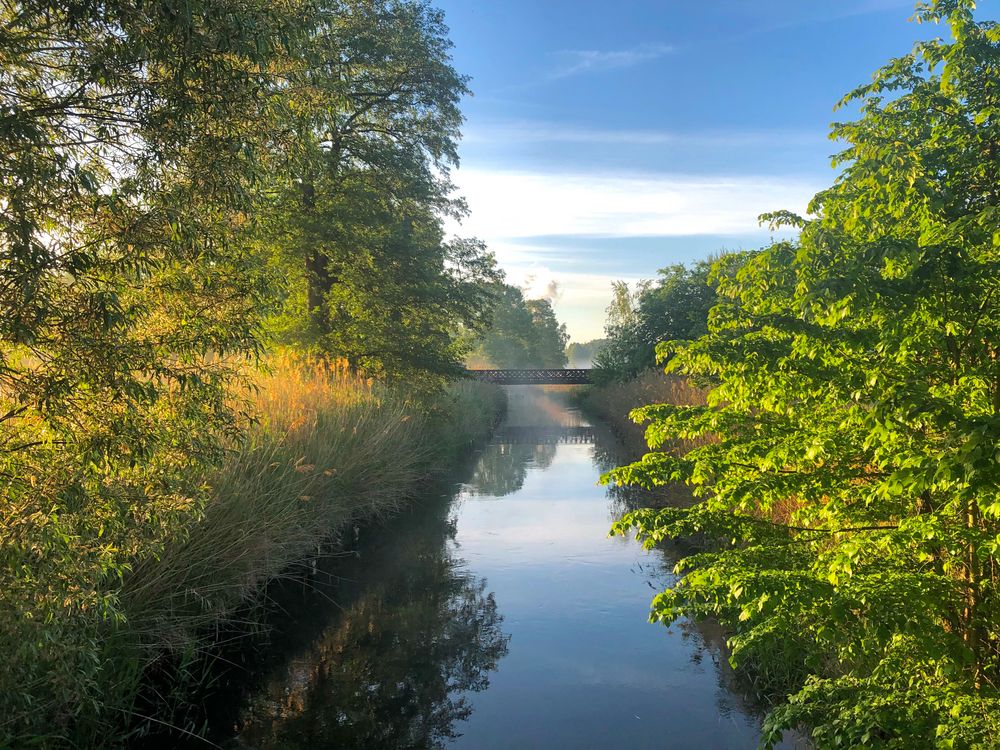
x=582 y=354
x=522 y=333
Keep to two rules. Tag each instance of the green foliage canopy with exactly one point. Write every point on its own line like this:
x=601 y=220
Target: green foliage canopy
x=522 y=333
x=373 y=105
x=847 y=462
x=673 y=307
x=130 y=148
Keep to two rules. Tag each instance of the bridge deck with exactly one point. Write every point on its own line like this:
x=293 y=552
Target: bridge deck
x=534 y=376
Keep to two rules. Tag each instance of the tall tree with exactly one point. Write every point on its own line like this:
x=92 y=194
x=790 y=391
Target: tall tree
x=373 y=104
x=522 y=333
x=673 y=307
x=131 y=145
x=848 y=461
x=548 y=345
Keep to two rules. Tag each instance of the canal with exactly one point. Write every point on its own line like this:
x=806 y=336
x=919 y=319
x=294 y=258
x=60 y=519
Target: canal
x=494 y=614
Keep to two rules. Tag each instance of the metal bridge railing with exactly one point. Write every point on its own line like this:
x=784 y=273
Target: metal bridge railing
x=533 y=376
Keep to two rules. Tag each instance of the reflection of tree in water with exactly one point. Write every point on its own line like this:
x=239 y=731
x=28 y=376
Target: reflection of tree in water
x=502 y=467
x=736 y=695
x=536 y=419
x=392 y=670
x=609 y=453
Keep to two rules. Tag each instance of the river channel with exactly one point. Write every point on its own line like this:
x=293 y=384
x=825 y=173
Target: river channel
x=496 y=614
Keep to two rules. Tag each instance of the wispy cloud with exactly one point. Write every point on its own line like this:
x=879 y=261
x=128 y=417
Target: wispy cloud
x=521 y=131
x=576 y=62
x=810 y=15
x=517 y=204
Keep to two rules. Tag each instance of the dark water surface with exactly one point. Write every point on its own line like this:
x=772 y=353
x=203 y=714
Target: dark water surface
x=497 y=616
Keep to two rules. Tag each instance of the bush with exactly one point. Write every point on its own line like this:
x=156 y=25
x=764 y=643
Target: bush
x=321 y=449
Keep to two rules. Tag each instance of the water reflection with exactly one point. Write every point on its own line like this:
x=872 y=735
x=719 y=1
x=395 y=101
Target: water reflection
x=585 y=668
x=537 y=421
x=395 y=668
x=502 y=467
x=540 y=435
x=610 y=453
x=498 y=617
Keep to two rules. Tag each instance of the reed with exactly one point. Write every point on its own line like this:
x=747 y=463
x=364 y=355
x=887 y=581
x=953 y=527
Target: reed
x=320 y=451
x=326 y=450
x=613 y=402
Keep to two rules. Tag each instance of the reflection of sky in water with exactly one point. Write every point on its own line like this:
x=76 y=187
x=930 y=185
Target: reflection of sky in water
x=585 y=668
x=405 y=644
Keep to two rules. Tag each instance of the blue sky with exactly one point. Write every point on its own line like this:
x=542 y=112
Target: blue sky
x=607 y=140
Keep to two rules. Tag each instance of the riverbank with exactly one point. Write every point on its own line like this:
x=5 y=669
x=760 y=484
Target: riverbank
x=320 y=451
x=493 y=612
x=612 y=403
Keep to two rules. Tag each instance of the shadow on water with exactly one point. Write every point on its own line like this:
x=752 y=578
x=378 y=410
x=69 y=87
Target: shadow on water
x=379 y=647
x=398 y=644
x=413 y=635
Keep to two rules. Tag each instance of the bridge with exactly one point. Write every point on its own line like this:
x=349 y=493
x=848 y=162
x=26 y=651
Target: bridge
x=543 y=434
x=532 y=376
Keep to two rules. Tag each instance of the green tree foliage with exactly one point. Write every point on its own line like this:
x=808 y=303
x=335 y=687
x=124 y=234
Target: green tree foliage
x=129 y=150
x=522 y=333
x=848 y=467
x=373 y=105
x=583 y=354
x=548 y=344
x=172 y=175
x=673 y=307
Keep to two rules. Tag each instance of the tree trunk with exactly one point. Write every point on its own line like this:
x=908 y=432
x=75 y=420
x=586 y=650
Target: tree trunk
x=317 y=275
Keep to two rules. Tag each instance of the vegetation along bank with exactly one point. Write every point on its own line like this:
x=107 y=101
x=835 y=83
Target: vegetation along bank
x=230 y=321
x=844 y=455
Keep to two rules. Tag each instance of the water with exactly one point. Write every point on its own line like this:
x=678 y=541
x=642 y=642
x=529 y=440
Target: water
x=497 y=616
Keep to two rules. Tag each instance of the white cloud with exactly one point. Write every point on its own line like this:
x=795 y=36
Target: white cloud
x=509 y=206
x=580 y=298
x=516 y=204
x=575 y=62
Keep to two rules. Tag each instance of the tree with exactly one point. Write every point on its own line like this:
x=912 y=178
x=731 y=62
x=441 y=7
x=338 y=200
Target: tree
x=522 y=333
x=548 y=345
x=847 y=466
x=132 y=144
x=373 y=106
x=673 y=307
x=180 y=181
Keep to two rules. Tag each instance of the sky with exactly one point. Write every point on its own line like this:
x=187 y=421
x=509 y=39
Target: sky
x=606 y=140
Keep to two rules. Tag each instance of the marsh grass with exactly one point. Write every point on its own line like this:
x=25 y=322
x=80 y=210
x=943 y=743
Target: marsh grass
x=326 y=449
x=320 y=451
x=613 y=402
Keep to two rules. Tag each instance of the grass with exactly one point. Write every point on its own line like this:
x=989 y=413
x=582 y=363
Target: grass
x=320 y=451
x=612 y=403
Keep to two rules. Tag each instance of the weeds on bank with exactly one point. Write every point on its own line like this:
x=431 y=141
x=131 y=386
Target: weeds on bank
x=320 y=449
x=613 y=402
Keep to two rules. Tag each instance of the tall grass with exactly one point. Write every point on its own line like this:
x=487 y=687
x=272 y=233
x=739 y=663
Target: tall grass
x=613 y=402
x=321 y=450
